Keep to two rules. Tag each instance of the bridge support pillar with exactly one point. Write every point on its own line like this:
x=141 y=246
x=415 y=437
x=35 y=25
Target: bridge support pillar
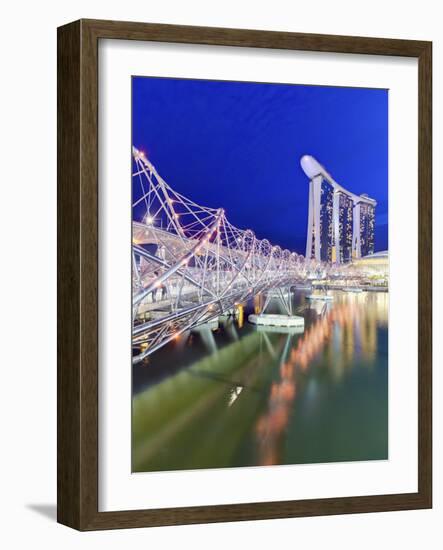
x=284 y=297
x=207 y=335
x=287 y=319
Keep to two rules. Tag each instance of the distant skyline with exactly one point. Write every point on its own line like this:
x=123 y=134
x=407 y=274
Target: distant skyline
x=238 y=145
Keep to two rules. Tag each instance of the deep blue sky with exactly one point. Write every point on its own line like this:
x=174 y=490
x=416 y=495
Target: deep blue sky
x=238 y=145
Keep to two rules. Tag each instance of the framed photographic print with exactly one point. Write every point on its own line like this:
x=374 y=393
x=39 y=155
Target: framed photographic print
x=244 y=274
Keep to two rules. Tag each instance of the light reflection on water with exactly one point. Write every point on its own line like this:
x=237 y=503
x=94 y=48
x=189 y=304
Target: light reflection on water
x=236 y=396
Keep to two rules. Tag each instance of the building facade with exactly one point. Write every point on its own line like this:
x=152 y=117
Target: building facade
x=340 y=224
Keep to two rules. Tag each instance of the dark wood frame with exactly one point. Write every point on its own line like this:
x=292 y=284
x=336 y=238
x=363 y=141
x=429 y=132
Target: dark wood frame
x=77 y=455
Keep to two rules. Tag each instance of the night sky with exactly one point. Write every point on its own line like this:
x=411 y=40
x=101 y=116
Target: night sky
x=237 y=145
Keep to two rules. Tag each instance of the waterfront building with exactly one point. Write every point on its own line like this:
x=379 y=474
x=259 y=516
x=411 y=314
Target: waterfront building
x=340 y=224
x=343 y=227
x=367 y=223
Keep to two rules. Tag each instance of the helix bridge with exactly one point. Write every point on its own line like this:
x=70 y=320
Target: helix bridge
x=191 y=265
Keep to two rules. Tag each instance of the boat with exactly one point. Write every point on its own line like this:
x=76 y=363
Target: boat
x=276 y=320
x=324 y=297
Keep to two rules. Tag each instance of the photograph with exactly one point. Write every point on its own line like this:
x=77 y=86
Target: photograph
x=222 y=272
x=260 y=274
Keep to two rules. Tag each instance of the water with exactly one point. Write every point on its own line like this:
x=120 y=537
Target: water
x=234 y=396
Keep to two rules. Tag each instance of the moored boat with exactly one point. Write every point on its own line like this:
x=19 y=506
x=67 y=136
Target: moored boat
x=324 y=297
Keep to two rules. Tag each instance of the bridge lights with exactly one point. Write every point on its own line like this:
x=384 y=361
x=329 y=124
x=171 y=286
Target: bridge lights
x=234 y=259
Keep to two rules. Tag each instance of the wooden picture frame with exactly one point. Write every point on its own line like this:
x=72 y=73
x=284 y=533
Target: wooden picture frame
x=78 y=273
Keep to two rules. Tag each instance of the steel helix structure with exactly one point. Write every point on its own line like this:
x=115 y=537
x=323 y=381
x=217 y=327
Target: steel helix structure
x=191 y=265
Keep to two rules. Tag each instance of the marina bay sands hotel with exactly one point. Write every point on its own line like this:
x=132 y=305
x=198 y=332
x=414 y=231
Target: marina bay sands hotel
x=340 y=223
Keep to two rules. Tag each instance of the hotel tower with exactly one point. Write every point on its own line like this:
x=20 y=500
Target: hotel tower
x=340 y=223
